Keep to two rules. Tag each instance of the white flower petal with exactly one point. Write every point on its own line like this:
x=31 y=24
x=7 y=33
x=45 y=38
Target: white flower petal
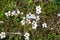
x=34 y=27
x=6 y=14
x=18 y=12
x=51 y=28
x=24 y=18
x=26 y=38
x=9 y=12
x=22 y=13
x=38 y=7
x=38 y=12
x=13 y=13
x=58 y=14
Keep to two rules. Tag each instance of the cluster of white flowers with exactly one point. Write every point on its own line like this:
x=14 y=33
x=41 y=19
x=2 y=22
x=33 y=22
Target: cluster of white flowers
x=26 y=35
x=2 y=35
x=38 y=9
x=27 y=20
x=44 y=25
x=37 y=18
x=14 y=12
x=32 y=16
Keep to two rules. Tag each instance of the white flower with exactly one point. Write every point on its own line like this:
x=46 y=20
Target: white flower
x=24 y=18
x=58 y=14
x=28 y=16
x=38 y=12
x=38 y=9
x=2 y=35
x=13 y=13
x=33 y=16
x=37 y=18
x=44 y=25
x=26 y=38
x=51 y=28
x=23 y=22
x=18 y=12
x=26 y=34
x=34 y=25
x=28 y=21
x=7 y=13
x=22 y=13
